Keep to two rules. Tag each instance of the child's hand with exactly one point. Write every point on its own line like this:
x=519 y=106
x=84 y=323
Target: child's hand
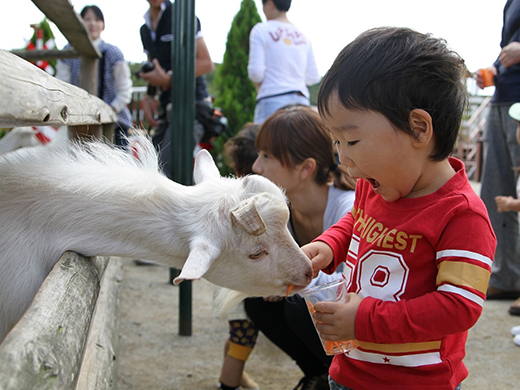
x=336 y=321
x=320 y=254
x=504 y=203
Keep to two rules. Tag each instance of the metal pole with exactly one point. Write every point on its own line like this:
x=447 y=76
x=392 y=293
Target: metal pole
x=181 y=126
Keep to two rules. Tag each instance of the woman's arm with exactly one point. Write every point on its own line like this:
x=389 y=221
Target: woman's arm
x=123 y=83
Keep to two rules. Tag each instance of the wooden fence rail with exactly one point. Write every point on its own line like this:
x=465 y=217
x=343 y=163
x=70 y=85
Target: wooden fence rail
x=67 y=339
x=48 y=346
x=469 y=146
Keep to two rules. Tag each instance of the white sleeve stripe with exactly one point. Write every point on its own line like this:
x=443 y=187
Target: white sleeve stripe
x=353 y=248
x=466 y=254
x=462 y=292
x=412 y=360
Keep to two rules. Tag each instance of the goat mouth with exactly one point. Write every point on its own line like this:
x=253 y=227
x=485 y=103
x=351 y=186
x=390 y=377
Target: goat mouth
x=293 y=289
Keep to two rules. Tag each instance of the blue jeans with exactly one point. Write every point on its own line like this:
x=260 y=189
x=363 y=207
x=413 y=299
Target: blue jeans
x=336 y=386
x=265 y=107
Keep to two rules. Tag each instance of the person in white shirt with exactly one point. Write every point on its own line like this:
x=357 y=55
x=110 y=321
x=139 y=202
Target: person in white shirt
x=281 y=61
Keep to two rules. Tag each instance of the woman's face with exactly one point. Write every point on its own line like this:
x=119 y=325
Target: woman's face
x=270 y=167
x=93 y=24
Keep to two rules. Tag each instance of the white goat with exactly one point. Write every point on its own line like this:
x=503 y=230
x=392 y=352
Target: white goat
x=97 y=200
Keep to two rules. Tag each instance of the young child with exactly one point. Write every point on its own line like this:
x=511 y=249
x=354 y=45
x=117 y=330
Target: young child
x=418 y=244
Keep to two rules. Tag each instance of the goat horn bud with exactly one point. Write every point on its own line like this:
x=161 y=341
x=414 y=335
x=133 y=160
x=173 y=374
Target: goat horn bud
x=248 y=218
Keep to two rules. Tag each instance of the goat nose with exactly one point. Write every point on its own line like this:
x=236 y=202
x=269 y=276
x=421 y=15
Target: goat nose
x=309 y=275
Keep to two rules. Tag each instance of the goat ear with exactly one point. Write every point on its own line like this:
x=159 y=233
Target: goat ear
x=205 y=168
x=247 y=217
x=199 y=261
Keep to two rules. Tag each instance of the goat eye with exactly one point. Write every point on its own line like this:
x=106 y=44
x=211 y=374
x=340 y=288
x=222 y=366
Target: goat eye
x=256 y=256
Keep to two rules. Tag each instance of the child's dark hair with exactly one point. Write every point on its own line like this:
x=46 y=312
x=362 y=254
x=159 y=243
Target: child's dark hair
x=281 y=5
x=395 y=70
x=295 y=133
x=95 y=9
x=241 y=149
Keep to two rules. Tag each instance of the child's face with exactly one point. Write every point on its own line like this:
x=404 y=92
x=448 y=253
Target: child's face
x=374 y=150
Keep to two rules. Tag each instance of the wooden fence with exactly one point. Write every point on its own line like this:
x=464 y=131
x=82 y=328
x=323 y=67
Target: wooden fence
x=469 y=146
x=67 y=339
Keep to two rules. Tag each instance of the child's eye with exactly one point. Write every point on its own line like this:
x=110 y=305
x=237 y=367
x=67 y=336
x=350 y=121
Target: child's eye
x=336 y=143
x=351 y=143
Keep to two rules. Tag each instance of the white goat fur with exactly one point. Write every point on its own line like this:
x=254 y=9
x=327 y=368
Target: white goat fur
x=96 y=200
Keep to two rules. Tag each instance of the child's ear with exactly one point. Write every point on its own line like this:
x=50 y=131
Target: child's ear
x=422 y=126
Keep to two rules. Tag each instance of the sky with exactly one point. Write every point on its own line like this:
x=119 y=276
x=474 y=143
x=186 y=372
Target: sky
x=471 y=27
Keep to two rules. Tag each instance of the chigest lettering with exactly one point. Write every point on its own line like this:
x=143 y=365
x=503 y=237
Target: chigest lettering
x=375 y=232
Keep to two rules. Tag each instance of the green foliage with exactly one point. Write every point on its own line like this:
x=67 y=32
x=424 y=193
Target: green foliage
x=134 y=68
x=313 y=90
x=47 y=31
x=210 y=81
x=48 y=38
x=236 y=94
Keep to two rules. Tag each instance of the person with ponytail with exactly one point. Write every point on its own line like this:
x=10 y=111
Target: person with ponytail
x=296 y=152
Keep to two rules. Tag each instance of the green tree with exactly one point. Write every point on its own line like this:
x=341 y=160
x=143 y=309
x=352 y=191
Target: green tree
x=236 y=94
x=135 y=67
x=47 y=42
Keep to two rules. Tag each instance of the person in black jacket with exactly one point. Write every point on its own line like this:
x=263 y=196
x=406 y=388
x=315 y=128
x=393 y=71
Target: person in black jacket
x=501 y=156
x=156 y=37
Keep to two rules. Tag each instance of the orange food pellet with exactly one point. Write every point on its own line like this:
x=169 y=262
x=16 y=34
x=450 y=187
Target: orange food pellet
x=289 y=289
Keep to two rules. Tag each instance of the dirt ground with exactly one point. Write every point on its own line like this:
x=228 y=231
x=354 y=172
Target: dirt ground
x=153 y=356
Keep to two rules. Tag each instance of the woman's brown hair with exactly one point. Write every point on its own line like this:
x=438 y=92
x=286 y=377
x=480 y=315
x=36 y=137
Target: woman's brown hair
x=296 y=133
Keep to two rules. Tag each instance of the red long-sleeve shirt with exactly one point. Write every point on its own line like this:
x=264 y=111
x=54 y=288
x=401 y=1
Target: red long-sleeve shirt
x=422 y=266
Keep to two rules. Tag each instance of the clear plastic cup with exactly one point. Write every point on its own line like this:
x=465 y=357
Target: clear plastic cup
x=335 y=291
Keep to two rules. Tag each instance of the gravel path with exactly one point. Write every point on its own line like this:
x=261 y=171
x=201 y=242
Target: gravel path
x=153 y=355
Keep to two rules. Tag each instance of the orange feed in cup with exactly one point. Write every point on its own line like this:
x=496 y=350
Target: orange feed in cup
x=334 y=347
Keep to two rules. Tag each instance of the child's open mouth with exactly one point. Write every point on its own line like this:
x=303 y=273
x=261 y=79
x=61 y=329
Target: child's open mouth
x=374 y=184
